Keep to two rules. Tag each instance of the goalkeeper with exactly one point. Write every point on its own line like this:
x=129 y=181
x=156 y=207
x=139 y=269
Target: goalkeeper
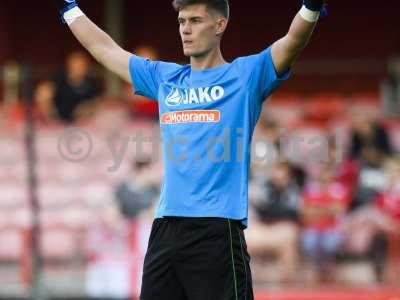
x=197 y=249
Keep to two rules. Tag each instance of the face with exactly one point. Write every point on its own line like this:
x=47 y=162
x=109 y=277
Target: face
x=200 y=30
x=326 y=175
x=77 y=66
x=362 y=125
x=44 y=96
x=280 y=176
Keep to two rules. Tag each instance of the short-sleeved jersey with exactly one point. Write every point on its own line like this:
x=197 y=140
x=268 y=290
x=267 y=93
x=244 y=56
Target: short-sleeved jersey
x=207 y=119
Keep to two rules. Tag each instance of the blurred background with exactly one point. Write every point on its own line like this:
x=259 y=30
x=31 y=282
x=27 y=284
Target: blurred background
x=324 y=216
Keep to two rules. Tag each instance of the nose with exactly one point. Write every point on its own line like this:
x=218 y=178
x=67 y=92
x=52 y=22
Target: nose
x=186 y=29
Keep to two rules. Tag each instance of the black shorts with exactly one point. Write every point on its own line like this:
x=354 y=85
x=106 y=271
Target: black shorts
x=196 y=259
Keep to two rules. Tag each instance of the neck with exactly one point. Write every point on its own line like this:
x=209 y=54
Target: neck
x=210 y=60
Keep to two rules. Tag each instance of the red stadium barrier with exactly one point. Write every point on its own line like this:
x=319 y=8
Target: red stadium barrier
x=332 y=294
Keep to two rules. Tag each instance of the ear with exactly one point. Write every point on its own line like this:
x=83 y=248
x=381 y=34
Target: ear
x=221 y=26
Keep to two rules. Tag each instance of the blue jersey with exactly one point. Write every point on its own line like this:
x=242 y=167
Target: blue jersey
x=207 y=119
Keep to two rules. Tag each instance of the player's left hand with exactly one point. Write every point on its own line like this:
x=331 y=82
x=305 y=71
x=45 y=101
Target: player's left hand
x=317 y=5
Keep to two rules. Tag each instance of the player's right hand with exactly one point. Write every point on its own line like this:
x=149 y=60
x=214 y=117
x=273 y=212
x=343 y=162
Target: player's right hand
x=315 y=5
x=64 y=6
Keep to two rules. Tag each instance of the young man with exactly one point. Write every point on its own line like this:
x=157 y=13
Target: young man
x=208 y=110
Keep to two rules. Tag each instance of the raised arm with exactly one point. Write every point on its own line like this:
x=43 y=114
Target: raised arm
x=96 y=41
x=286 y=50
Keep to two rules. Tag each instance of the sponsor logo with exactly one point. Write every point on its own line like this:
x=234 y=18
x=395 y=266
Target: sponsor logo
x=191 y=116
x=194 y=95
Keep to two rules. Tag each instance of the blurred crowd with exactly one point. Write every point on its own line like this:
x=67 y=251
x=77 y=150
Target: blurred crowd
x=324 y=211
x=310 y=209
x=75 y=94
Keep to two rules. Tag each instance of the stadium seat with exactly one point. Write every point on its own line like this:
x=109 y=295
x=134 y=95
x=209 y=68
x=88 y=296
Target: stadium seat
x=285 y=108
x=324 y=107
x=58 y=244
x=55 y=195
x=13 y=254
x=11 y=243
x=12 y=196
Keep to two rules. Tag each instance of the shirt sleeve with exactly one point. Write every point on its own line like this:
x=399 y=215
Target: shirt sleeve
x=263 y=78
x=145 y=75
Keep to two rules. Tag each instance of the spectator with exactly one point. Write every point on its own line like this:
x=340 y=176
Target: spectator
x=75 y=91
x=43 y=98
x=323 y=206
x=136 y=196
x=390 y=88
x=346 y=169
x=117 y=243
x=371 y=179
x=43 y=109
x=265 y=147
x=368 y=133
x=367 y=229
x=277 y=229
x=389 y=200
x=269 y=147
x=110 y=255
x=138 y=192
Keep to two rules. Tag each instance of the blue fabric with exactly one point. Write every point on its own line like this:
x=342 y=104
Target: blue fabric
x=207 y=118
x=324 y=11
x=316 y=243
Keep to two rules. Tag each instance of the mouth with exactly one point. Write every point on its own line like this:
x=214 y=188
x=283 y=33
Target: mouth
x=187 y=43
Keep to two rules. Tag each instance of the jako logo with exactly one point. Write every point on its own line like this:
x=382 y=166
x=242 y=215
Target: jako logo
x=194 y=96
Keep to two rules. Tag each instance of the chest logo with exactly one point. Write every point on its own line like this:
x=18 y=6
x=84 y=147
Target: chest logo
x=180 y=97
x=191 y=116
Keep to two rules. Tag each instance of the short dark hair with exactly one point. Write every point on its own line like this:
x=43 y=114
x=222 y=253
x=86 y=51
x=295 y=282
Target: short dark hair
x=221 y=6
